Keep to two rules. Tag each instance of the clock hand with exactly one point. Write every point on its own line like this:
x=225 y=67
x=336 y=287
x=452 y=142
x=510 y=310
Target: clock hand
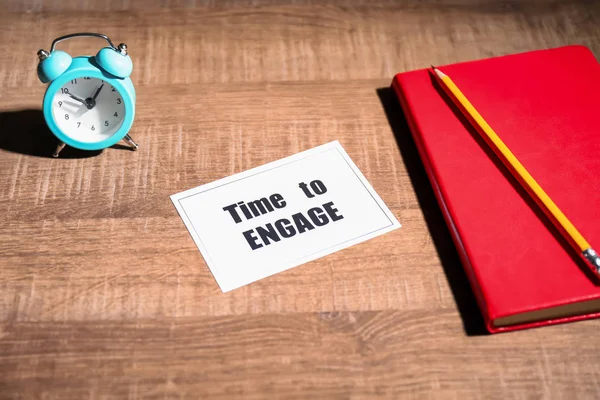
x=79 y=99
x=97 y=92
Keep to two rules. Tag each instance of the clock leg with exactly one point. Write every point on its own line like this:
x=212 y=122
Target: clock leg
x=60 y=146
x=131 y=142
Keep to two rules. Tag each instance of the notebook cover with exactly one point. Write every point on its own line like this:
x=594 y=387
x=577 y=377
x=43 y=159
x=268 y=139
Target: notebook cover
x=544 y=105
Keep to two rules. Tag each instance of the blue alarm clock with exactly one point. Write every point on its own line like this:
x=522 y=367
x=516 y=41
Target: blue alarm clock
x=90 y=101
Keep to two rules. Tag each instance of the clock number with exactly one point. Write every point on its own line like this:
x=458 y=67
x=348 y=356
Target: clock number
x=118 y=100
x=86 y=77
x=105 y=123
x=64 y=90
x=66 y=116
x=78 y=124
x=60 y=103
x=73 y=81
x=115 y=114
x=112 y=89
x=93 y=128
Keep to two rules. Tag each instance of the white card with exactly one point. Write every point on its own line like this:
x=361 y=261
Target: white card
x=277 y=216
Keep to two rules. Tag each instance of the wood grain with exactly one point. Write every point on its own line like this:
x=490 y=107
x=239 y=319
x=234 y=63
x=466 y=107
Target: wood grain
x=103 y=294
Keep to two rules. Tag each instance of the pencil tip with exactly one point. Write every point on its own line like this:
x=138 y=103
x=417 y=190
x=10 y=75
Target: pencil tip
x=439 y=73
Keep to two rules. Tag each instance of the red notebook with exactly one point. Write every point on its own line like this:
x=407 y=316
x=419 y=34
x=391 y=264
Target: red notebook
x=545 y=106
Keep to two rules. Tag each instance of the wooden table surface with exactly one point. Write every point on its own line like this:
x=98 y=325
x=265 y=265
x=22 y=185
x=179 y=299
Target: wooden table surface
x=103 y=294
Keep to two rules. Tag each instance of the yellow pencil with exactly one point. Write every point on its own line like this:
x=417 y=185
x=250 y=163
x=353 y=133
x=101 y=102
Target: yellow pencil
x=508 y=158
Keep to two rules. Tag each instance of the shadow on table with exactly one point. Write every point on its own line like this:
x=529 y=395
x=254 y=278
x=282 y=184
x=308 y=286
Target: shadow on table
x=461 y=290
x=26 y=132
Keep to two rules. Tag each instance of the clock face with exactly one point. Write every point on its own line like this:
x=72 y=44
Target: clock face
x=88 y=109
